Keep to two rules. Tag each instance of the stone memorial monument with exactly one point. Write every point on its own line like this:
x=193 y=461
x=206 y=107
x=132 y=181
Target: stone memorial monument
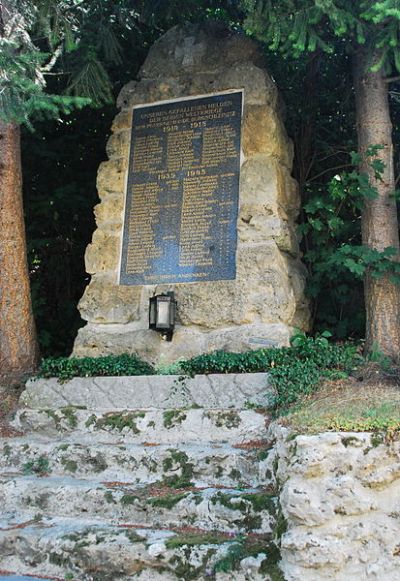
x=196 y=198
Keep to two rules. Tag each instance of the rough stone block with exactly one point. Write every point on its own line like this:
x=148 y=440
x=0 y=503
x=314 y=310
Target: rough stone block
x=264 y=133
x=102 y=255
x=110 y=211
x=196 y=48
x=96 y=340
x=123 y=120
x=108 y=302
x=111 y=176
x=118 y=144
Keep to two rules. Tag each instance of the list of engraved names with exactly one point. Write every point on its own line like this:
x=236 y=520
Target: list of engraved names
x=182 y=193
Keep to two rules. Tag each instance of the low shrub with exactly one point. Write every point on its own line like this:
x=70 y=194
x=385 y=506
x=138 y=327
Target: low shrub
x=294 y=371
x=112 y=365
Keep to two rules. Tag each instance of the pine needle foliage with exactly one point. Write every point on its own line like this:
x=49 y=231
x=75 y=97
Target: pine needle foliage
x=25 y=60
x=298 y=27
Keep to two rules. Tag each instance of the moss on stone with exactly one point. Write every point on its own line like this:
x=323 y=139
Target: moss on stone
x=263 y=454
x=97 y=462
x=229 y=419
x=109 y=497
x=39 y=466
x=168 y=501
x=128 y=499
x=235 y=474
x=186 y=571
x=55 y=417
x=377 y=439
x=91 y=420
x=172 y=418
x=350 y=441
x=133 y=536
x=7 y=450
x=178 y=459
x=69 y=465
x=63 y=447
x=195 y=539
x=120 y=421
x=69 y=413
x=261 y=501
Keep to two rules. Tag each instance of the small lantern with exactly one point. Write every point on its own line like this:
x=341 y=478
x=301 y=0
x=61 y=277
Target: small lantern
x=162 y=309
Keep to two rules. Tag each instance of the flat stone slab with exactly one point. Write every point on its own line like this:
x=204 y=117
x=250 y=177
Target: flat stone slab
x=54 y=547
x=205 y=464
x=231 y=390
x=223 y=509
x=19 y=578
x=163 y=426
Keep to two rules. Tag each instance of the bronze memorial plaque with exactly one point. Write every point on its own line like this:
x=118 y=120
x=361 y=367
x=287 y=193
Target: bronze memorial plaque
x=182 y=193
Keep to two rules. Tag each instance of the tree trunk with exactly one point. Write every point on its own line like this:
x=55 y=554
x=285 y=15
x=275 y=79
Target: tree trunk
x=18 y=345
x=379 y=216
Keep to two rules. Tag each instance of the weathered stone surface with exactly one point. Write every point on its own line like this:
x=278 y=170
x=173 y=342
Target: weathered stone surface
x=224 y=510
x=252 y=228
x=109 y=213
x=97 y=340
x=198 y=48
x=111 y=176
x=263 y=133
x=107 y=302
x=207 y=464
x=163 y=392
x=260 y=185
x=261 y=90
x=123 y=120
x=341 y=500
x=266 y=300
x=118 y=144
x=92 y=551
x=261 y=291
x=170 y=426
x=97 y=492
x=102 y=254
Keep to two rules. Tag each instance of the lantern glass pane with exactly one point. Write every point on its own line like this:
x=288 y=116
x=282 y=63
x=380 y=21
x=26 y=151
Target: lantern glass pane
x=152 y=314
x=163 y=314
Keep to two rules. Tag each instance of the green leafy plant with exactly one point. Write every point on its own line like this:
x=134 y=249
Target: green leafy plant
x=294 y=371
x=112 y=365
x=337 y=260
x=39 y=466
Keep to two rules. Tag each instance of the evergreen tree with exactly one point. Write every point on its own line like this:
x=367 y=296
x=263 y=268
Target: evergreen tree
x=23 y=64
x=370 y=31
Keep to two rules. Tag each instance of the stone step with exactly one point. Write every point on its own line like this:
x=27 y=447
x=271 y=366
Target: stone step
x=170 y=426
x=226 y=510
x=86 y=550
x=202 y=465
x=231 y=390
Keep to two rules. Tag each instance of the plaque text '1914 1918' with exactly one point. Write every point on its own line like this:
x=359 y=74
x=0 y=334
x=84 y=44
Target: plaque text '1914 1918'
x=182 y=192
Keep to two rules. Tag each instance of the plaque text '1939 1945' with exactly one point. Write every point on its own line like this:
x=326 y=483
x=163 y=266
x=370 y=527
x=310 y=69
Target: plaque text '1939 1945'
x=182 y=194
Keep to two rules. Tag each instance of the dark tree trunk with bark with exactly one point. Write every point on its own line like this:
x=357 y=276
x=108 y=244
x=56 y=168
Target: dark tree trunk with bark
x=18 y=345
x=379 y=216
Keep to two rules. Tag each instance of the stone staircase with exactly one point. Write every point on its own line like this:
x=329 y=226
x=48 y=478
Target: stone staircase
x=147 y=491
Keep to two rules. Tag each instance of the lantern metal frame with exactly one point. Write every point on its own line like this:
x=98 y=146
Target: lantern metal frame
x=162 y=313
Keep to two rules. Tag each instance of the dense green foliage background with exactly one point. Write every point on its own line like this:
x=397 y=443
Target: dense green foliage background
x=60 y=161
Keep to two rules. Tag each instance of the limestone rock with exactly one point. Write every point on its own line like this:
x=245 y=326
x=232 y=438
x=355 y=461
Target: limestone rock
x=110 y=211
x=340 y=499
x=198 y=48
x=266 y=300
x=107 y=302
x=263 y=133
x=102 y=254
